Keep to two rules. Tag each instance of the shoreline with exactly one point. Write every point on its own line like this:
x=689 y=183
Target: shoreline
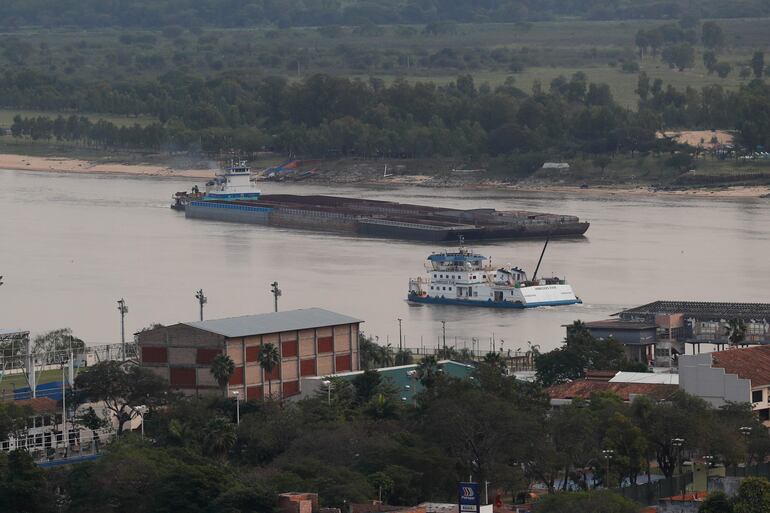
x=15 y=162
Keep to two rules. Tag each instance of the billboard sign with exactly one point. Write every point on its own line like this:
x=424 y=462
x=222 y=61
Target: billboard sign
x=469 y=498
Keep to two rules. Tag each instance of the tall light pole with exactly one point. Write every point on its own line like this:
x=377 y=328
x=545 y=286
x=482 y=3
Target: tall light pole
x=746 y=433
x=443 y=328
x=679 y=443
x=608 y=453
x=400 y=346
x=276 y=294
x=202 y=300
x=237 y=394
x=123 y=309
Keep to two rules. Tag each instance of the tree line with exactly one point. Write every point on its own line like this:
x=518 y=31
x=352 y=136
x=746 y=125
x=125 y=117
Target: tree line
x=239 y=13
x=363 y=441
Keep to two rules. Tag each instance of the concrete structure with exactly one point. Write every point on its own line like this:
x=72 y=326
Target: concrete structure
x=402 y=377
x=736 y=375
x=638 y=338
x=312 y=342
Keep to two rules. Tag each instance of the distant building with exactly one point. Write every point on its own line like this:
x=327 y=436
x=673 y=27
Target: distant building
x=638 y=338
x=735 y=375
x=659 y=332
x=312 y=342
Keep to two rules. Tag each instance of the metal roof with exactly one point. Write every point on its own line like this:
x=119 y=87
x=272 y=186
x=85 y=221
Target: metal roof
x=291 y=320
x=646 y=377
x=703 y=309
x=618 y=324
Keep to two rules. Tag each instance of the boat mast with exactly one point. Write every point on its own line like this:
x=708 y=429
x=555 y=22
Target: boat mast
x=534 y=276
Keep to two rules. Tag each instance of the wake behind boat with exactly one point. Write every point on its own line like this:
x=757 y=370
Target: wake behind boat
x=468 y=279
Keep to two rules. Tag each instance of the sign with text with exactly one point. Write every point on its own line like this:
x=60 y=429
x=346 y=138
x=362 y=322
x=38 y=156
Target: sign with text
x=469 y=497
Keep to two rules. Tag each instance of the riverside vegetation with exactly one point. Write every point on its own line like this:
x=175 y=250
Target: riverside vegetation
x=371 y=90
x=362 y=440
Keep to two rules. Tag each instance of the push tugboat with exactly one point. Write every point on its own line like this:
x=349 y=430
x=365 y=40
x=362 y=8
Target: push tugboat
x=233 y=184
x=465 y=278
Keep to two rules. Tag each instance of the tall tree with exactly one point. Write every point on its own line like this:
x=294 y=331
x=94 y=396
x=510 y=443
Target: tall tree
x=735 y=331
x=222 y=367
x=712 y=35
x=269 y=359
x=122 y=387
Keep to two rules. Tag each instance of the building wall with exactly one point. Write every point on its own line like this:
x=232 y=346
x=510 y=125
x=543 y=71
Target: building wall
x=312 y=352
x=699 y=378
x=181 y=355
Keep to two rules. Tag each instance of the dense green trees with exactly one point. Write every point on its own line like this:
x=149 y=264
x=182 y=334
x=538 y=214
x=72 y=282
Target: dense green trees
x=361 y=13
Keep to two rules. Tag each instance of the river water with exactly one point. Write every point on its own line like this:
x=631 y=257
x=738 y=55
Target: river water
x=72 y=245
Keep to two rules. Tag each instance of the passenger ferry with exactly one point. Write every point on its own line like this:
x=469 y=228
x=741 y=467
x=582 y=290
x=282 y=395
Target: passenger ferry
x=233 y=184
x=468 y=279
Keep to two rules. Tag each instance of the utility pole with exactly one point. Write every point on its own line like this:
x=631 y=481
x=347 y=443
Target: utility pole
x=443 y=328
x=123 y=309
x=202 y=300
x=400 y=347
x=65 y=434
x=276 y=293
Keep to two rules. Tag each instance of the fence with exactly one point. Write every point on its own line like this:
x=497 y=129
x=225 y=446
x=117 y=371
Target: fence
x=649 y=494
x=515 y=360
x=757 y=470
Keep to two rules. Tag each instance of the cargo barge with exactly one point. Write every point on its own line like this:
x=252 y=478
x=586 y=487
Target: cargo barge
x=388 y=219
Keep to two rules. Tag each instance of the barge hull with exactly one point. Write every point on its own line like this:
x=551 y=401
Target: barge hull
x=387 y=219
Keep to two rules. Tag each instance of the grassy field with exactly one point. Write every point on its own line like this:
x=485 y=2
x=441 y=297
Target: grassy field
x=7 y=115
x=544 y=50
x=9 y=383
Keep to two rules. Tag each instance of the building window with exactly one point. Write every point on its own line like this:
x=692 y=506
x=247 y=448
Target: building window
x=325 y=344
x=253 y=393
x=154 y=355
x=343 y=363
x=206 y=356
x=757 y=396
x=307 y=367
x=290 y=388
x=252 y=354
x=182 y=377
x=236 y=378
x=289 y=348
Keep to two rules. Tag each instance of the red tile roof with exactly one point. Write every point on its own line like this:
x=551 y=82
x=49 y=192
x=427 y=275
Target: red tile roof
x=39 y=404
x=752 y=363
x=582 y=389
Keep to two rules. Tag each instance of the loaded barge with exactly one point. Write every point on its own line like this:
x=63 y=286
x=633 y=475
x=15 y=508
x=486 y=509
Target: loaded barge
x=385 y=219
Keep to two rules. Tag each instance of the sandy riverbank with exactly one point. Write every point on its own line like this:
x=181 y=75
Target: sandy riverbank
x=69 y=165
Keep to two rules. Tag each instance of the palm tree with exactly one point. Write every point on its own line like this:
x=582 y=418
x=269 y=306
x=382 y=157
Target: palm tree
x=735 y=331
x=222 y=367
x=269 y=359
x=427 y=371
x=495 y=360
x=218 y=436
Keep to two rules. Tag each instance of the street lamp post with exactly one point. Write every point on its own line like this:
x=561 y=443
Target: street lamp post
x=678 y=443
x=237 y=394
x=123 y=309
x=276 y=294
x=608 y=453
x=443 y=328
x=328 y=384
x=202 y=300
x=400 y=338
x=746 y=433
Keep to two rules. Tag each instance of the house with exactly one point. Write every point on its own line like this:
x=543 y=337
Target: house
x=638 y=338
x=735 y=375
x=311 y=342
x=655 y=388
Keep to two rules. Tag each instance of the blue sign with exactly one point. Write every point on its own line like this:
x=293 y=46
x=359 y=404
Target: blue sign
x=469 y=497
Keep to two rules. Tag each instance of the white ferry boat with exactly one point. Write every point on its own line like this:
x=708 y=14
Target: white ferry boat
x=234 y=184
x=466 y=278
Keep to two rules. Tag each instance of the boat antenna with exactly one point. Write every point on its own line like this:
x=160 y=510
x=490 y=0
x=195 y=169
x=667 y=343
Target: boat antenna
x=534 y=276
